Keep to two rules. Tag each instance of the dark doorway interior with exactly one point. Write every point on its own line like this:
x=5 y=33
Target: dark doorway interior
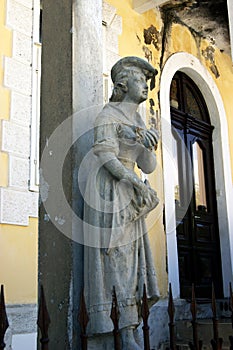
x=195 y=195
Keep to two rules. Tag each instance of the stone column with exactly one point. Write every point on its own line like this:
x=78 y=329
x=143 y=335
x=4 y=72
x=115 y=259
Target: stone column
x=55 y=249
x=71 y=82
x=87 y=54
x=87 y=101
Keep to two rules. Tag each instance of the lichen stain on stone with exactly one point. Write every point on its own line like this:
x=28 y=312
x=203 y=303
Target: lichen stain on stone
x=153 y=122
x=152 y=36
x=152 y=104
x=214 y=70
x=208 y=54
x=44 y=188
x=148 y=53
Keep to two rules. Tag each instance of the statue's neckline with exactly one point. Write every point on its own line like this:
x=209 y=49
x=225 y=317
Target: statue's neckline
x=137 y=117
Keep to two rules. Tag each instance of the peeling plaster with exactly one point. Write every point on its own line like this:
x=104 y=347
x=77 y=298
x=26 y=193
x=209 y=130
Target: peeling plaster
x=209 y=20
x=152 y=36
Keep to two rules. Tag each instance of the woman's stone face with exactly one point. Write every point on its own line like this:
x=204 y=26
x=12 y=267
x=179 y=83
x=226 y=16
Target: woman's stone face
x=137 y=88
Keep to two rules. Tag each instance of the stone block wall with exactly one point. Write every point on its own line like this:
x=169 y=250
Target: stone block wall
x=17 y=203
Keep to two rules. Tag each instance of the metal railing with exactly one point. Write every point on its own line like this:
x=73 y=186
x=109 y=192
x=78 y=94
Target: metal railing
x=43 y=321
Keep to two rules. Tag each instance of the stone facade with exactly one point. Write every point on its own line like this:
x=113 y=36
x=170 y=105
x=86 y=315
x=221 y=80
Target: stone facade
x=178 y=41
x=18 y=204
x=16 y=201
x=161 y=32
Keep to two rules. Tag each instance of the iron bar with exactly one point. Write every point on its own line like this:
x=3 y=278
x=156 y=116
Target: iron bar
x=145 y=315
x=196 y=345
x=171 y=313
x=231 y=309
x=115 y=315
x=231 y=304
x=3 y=319
x=231 y=342
x=43 y=321
x=83 y=320
x=216 y=342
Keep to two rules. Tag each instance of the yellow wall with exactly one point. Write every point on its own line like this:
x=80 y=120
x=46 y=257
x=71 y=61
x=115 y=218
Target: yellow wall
x=18 y=244
x=182 y=40
x=18 y=262
x=225 y=86
x=4 y=169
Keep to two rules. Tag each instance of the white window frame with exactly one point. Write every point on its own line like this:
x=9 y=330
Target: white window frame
x=35 y=114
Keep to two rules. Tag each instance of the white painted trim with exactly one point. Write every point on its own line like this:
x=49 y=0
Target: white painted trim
x=198 y=73
x=142 y=6
x=35 y=116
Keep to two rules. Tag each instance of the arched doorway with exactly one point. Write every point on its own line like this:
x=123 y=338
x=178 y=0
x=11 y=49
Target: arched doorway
x=198 y=245
x=190 y=65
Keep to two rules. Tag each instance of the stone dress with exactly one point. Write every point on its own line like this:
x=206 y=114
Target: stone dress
x=117 y=251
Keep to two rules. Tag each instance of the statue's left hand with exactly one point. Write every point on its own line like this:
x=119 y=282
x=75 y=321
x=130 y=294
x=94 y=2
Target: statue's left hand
x=149 y=138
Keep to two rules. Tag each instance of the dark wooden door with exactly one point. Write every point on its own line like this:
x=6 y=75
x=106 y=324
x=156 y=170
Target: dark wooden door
x=196 y=209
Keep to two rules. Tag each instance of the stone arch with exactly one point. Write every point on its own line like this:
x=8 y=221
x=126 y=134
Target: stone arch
x=191 y=66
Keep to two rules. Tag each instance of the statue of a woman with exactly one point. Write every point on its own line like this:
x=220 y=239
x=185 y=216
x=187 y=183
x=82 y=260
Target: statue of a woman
x=117 y=251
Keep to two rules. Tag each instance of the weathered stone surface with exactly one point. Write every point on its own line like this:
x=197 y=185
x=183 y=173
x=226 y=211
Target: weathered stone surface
x=142 y=6
x=87 y=88
x=116 y=24
x=102 y=342
x=18 y=172
x=33 y=198
x=19 y=17
x=20 y=108
x=8 y=339
x=17 y=76
x=56 y=250
x=158 y=323
x=108 y=13
x=22 y=327
x=112 y=40
x=15 y=139
x=27 y=3
x=111 y=59
x=17 y=206
x=22 y=47
x=22 y=318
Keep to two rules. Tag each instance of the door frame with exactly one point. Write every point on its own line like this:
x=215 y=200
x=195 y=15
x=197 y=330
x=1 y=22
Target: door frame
x=192 y=67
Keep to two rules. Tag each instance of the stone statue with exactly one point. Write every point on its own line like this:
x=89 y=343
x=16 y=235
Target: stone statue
x=117 y=251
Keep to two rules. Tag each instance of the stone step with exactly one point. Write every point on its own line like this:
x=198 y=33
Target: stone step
x=205 y=332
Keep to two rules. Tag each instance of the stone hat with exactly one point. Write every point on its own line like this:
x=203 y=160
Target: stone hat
x=137 y=64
